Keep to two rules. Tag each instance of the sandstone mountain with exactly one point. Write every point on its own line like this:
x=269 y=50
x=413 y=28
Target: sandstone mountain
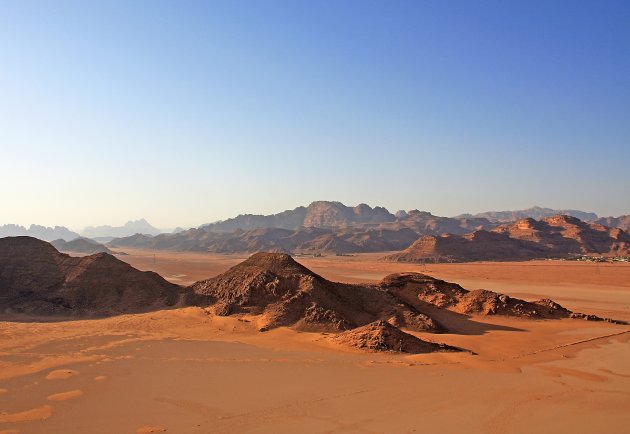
x=36 y=279
x=40 y=232
x=80 y=245
x=476 y=246
x=321 y=214
x=334 y=215
x=565 y=235
x=534 y=212
x=554 y=237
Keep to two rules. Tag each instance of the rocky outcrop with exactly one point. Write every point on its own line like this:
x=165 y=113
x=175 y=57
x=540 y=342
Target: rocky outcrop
x=380 y=336
x=419 y=290
x=36 y=279
x=285 y=293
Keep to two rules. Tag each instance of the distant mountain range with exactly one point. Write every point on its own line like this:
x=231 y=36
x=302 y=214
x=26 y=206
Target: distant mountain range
x=40 y=232
x=321 y=227
x=333 y=228
x=130 y=228
x=621 y=222
x=534 y=212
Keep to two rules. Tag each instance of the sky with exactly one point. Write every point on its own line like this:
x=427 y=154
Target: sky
x=189 y=112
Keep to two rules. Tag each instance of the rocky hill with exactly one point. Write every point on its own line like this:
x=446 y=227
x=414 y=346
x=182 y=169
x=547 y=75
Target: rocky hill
x=285 y=293
x=554 y=237
x=80 y=245
x=36 y=279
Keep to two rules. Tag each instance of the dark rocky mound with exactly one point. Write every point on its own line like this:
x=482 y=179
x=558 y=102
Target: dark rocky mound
x=80 y=245
x=286 y=293
x=422 y=291
x=382 y=336
x=36 y=279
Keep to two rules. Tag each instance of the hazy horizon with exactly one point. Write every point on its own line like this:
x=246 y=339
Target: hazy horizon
x=186 y=114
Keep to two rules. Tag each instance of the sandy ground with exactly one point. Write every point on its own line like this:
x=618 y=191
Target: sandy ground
x=184 y=371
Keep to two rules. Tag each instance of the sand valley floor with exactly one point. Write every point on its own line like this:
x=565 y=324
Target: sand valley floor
x=186 y=371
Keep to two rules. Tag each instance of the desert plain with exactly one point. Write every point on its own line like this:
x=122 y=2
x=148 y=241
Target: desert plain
x=185 y=370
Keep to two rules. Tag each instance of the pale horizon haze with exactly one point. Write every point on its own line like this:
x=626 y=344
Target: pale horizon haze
x=185 y=113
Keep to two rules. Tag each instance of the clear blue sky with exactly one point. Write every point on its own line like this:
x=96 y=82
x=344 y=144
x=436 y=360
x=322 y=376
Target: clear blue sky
x=188 y=112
